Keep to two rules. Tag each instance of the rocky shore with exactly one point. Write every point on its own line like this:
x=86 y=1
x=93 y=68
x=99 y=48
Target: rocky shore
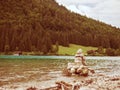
x=97 y=81
x=92 y=82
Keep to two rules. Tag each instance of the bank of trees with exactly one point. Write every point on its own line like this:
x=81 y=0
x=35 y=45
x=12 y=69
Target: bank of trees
x=104 y=52
x=37 y=25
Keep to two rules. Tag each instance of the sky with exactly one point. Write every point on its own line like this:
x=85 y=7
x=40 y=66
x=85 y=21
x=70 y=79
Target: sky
x=107 y=11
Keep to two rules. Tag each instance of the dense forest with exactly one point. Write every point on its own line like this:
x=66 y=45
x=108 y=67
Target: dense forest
x=37 y=25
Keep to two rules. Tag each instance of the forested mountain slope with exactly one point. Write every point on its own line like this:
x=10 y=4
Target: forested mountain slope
x=35 y=25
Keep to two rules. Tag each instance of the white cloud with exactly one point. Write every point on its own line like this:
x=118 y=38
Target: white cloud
x=68 y=2
x=107 y=11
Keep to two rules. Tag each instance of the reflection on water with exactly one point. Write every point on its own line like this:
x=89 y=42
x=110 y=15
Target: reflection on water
x=15 y=71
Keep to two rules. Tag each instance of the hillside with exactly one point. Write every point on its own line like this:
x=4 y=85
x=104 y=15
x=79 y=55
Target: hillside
x=35 y=25
x=71 y=50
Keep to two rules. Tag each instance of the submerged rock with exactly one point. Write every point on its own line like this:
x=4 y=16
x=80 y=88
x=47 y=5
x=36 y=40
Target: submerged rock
x=32 y=88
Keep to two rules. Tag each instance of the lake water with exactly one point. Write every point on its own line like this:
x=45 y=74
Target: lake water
x=58 y=57
x=24 y=71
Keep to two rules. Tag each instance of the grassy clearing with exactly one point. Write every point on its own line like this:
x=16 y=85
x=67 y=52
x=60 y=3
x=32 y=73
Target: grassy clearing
x=71 y=50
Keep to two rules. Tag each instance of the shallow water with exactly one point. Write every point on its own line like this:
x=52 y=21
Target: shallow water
x=20 y=72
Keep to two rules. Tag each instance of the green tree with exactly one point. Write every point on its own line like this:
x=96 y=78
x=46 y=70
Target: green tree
x=56 y=48
x=100 y=50
x=117 y=52
x=6 y=49
x=110 y=52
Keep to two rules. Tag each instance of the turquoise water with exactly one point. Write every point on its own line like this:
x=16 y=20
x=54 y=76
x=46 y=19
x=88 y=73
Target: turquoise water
x=24 y=69
x=34 y=57
x=58 y=57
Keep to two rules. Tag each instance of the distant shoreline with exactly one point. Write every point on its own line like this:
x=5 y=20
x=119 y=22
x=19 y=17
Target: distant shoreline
x=58 y=57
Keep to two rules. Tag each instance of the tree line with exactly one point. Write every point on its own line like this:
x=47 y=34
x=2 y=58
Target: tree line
x=37 y=25
x=104 y=52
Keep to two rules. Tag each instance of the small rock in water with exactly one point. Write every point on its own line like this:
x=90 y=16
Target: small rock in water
x=66 y=72
x=32 y=88
x=115 y=79
x=89 y=81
